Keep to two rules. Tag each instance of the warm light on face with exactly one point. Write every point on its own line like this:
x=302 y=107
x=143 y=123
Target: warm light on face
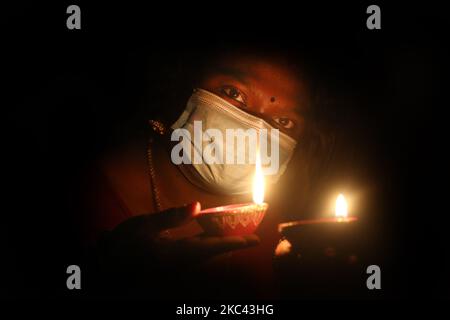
x=341 y=206
x=258 y=181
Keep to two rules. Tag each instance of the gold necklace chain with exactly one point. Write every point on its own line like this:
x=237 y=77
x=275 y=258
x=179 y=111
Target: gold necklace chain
x=152 y=176
x=165 y=234
x=159 y=128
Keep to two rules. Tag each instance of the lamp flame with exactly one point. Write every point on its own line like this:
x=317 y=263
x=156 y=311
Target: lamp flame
x=341 y=207
x=258 y=181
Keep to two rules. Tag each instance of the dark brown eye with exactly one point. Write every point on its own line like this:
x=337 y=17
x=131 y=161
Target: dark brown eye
x=284 y=122
x=234 y=93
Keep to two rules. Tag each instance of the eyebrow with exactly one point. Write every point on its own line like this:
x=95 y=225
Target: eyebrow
x=240 y=75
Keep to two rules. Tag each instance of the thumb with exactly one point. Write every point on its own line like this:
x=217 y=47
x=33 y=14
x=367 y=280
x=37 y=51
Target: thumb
x=171 y=218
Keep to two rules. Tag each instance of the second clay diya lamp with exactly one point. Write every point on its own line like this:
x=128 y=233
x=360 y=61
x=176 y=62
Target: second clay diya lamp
x=326 y=236
x=324 y=257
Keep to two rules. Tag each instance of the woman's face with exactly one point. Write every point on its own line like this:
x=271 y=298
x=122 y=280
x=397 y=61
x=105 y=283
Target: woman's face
x=263 y=88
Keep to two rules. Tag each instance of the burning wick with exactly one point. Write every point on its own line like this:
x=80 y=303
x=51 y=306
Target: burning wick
x=341 y=208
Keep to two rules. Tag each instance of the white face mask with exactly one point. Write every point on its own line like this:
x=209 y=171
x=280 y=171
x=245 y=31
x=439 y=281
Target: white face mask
x=214 y=116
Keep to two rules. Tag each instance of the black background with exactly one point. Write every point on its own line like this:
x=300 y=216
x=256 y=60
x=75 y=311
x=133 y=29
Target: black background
x=68 y=94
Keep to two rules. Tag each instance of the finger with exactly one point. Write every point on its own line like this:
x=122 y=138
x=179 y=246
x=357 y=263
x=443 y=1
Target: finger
x=252 y=239
x=171 y=218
